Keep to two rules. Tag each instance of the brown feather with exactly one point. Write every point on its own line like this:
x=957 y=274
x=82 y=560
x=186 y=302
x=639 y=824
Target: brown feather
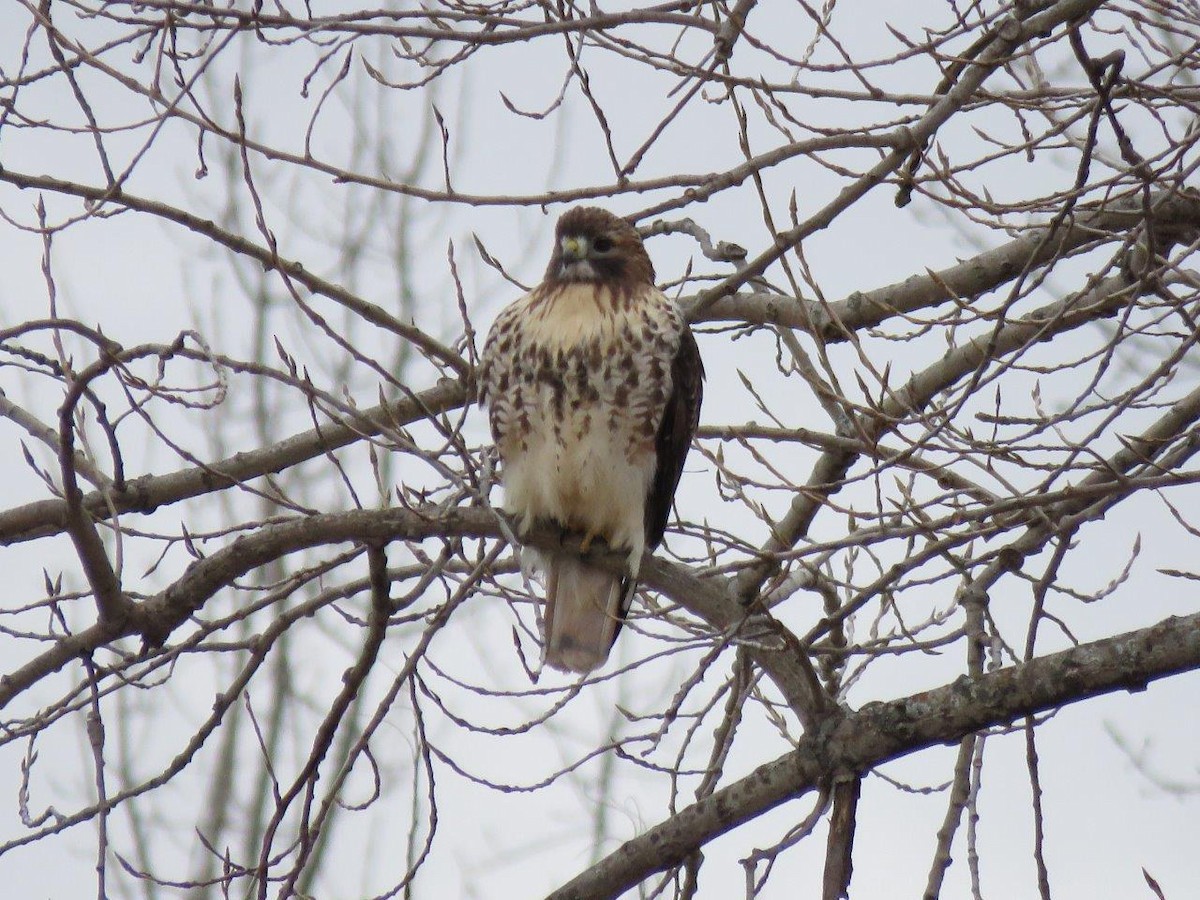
x=583 y=613
x=675 y=432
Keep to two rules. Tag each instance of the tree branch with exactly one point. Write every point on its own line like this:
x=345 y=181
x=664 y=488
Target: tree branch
x=884 y=731
x=148 y=493
x=1173 y=213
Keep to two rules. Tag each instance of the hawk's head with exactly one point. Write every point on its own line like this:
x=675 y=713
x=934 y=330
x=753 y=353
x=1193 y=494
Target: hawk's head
x=593 y=245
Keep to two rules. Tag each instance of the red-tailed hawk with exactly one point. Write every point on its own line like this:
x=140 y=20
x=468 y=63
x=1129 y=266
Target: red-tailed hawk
x=593 y=383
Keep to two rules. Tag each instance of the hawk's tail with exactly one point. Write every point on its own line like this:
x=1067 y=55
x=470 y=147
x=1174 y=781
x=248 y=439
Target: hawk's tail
x=584 y=609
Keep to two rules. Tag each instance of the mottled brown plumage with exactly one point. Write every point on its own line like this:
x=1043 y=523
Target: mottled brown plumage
x=593 y=385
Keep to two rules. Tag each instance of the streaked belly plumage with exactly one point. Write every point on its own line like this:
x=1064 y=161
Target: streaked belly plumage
x=576 y=398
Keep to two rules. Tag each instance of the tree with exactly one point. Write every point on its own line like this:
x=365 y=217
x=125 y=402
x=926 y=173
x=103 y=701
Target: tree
x=940 y=270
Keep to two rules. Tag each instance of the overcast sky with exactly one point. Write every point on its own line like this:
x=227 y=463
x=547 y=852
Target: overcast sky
x=144 y=280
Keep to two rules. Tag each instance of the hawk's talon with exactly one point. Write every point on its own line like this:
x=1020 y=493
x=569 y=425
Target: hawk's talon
x=586 y=544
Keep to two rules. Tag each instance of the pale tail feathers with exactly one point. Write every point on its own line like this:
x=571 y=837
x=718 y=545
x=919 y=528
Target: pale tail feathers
x=584 y=609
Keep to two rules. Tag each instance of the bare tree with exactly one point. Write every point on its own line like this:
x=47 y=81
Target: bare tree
x=941 y=269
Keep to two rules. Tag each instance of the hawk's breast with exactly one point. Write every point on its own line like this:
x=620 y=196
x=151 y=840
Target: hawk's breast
x=576 y=379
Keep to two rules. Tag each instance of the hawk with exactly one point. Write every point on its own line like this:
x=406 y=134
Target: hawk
x=593 y=383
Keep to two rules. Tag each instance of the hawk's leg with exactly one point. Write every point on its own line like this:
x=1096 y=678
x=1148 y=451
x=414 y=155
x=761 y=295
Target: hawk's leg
x=586 y=544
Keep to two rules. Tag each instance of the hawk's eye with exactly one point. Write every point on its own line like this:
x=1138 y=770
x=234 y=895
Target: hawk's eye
x=602 y=244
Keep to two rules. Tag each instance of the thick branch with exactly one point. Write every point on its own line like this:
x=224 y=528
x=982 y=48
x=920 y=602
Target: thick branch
x=149 y=492
x=967 y=280
x=771 y=646
x=883 y=731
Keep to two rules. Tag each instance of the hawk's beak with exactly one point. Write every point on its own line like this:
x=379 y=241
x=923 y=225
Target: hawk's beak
x=574 y=248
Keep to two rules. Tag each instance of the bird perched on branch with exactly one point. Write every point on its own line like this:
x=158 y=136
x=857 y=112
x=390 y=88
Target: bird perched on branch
x=593 y=384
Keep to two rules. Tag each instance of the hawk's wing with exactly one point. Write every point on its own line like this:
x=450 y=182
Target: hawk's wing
x=675 y=433
x=671 y=445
